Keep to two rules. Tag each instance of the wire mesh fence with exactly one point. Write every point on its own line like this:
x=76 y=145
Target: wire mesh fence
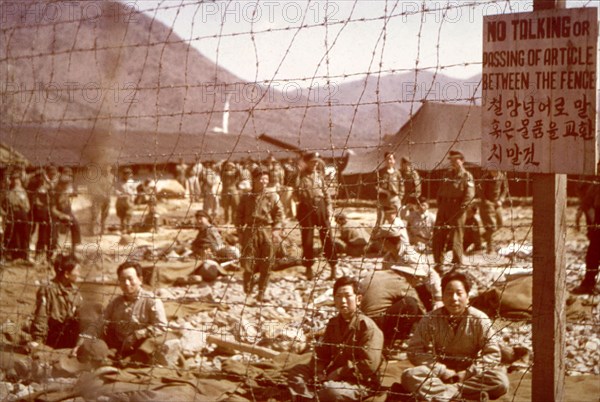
x=237 y=156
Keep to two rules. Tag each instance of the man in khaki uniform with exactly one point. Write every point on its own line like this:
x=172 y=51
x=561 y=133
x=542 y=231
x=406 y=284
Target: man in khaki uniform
x=454 y=197
x=258 y=222
x=494 y=189
x=230 y=198
x=390 y=186
x=57 y=314
x=314 y=210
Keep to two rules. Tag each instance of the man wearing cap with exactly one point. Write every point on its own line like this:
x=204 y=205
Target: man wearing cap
x=454 y=197
x=351 y=239
x=259 y=220
x=390 y=186
x=209 y=243
x=493 y=189
x=398 y=254
x=61 y=210
x=230 y=198
x=135 y=316
x=420 y=223
x=314 y=211
x=126 y=190
x=411 y=179
x=56 y=322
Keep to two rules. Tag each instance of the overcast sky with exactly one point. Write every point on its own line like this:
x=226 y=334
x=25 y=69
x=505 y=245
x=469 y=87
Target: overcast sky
x=289 y=39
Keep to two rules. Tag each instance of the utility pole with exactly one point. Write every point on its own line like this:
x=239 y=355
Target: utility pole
x=549 y=275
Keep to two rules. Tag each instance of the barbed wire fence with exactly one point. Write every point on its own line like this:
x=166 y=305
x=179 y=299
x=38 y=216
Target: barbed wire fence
x=86 y=85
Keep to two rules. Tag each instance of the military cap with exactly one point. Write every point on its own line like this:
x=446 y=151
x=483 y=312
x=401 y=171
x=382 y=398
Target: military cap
x=310 y=156
x=456 y=154
x=200 y=213
x=405 y=159
x=341 y=217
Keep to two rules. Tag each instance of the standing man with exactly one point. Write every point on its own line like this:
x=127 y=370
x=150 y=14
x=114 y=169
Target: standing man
x=591 y=205
x=314 y=211
x=259 y=220
x=181 y=172
x=100 y=192
x=126 y=191
x=135 y=316
x=412 y=185
x=210 y=182
x=390 y=187
x=62 y=212
x=230 y=198
x=290 y=183
x=345 y=366
x=16 y=211
x=41 y=204
x=454 y=197
x=494 y=189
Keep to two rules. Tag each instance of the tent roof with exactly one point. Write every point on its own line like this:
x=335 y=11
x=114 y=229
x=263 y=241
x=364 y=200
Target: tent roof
x=434 y=130
x=77 y=147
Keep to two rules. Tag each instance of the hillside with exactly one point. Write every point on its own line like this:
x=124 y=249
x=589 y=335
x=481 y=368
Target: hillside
x=130 y=73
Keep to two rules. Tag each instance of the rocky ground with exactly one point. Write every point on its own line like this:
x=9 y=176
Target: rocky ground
x=295 y=309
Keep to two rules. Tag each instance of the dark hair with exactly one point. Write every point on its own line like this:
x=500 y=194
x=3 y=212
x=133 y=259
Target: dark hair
x=259 y=172
x=65 y=263
x=130 y=264
x=388 y=153
x=456 y=276
x=344 y=281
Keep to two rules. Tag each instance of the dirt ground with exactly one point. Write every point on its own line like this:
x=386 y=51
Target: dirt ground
x=19 y=283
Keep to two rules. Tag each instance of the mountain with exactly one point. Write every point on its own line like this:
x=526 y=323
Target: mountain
x=380 y=106
x=100 y=65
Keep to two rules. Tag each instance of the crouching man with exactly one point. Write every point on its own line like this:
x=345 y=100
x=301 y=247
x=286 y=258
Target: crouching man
x=346 y=363
x=455 y=351
x=134 y=317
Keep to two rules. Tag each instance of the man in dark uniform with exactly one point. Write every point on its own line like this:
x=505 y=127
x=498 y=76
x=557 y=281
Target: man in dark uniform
x=454 y=197
x=230 y=198
x=314 y=210
x=41 y=193
x=411 y=179
x=100 y=191
x=259 y=220
x=16 y=210
x=390 y=186
x=494 y=189
x=591 y=204
x=346 y=362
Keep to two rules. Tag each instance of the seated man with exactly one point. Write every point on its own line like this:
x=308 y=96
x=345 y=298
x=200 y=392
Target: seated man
x=208 y=243
x=455 y=351
x=350 y=239
x=135 y=316
x=347 y=359
x=57 y=315
x=390 y=301
x=420 y=222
